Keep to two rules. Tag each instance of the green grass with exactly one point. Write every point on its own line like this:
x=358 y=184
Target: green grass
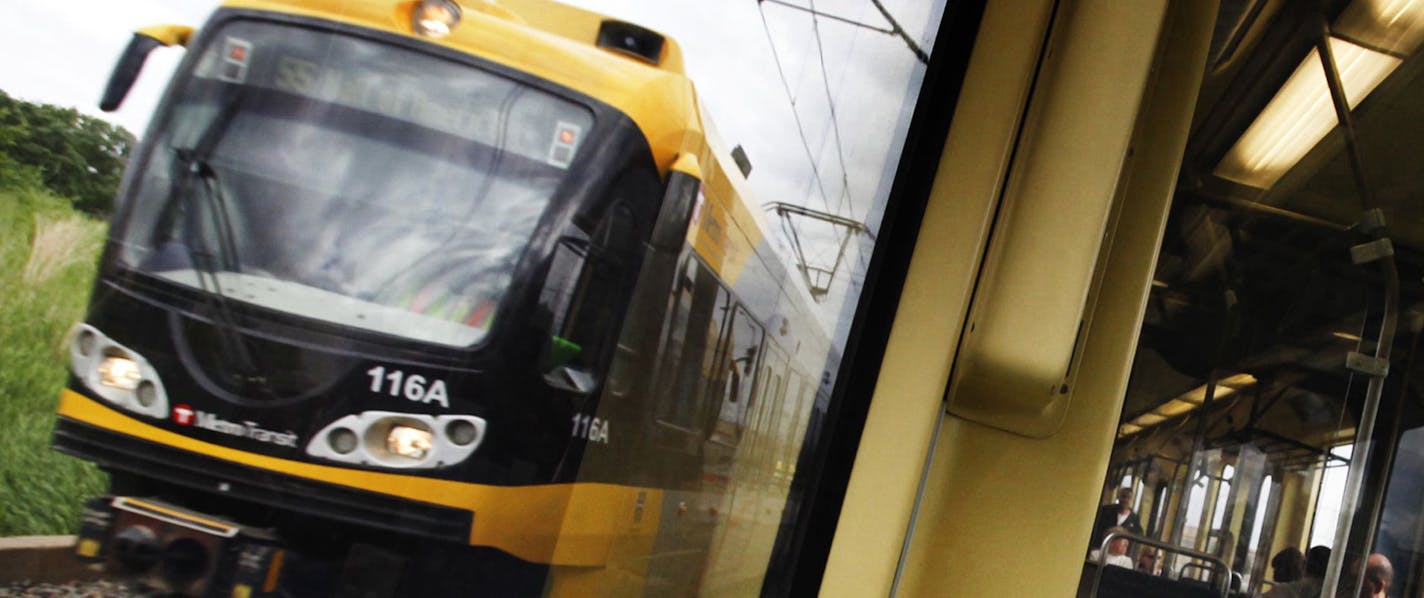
x=48 y=254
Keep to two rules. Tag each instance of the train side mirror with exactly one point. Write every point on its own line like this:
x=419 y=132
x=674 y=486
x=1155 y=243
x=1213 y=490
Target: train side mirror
x=131 y=61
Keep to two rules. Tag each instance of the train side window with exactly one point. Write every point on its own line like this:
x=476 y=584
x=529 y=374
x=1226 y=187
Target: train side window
x=690 y=351
x=562 y=279
x=587 y=281
x=744 y=337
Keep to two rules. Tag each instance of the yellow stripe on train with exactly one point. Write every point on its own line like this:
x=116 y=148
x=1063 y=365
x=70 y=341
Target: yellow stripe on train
x=557 y=524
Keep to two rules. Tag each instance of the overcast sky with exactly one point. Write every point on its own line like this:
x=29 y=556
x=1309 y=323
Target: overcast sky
x=61 y=53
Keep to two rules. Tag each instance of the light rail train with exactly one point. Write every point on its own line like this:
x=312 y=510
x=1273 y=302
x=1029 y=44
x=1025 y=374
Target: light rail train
x=416 y=297
x=1173 y=246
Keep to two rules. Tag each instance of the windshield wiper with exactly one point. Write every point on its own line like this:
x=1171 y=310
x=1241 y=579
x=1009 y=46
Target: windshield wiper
x=197 y=189
x=202 y=192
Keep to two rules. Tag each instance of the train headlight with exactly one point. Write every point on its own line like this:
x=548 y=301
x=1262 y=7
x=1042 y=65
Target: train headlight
x=399 y=440
x=116 y=373
x=435 y=18
x=119 y=372
x=408 y=441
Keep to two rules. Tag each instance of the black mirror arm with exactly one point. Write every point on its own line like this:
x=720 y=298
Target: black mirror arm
x=131 y=61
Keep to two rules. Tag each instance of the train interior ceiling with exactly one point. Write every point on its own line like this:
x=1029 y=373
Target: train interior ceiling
x=1258 y=299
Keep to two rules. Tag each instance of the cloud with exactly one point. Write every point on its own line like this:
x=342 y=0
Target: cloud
x=61 y=52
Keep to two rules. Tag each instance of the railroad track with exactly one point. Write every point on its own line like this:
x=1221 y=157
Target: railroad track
x=45 y=566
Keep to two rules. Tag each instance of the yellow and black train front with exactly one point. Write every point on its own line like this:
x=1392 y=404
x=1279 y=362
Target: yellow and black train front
x=369 y=269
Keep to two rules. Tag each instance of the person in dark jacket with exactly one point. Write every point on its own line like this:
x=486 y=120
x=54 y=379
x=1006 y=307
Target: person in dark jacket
x=1119 y=514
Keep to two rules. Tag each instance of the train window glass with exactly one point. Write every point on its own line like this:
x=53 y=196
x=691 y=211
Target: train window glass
x=557 y=295
x=600 y=289
x=1263 y=501
x=1190 y=529
x=1327 y=502
x=692 y=350
x=412 y=220
x=1257 y=300
x=1223 y=491
x=1400 y=537
x=739 y=380
x=1159 y=509
x=312 y=185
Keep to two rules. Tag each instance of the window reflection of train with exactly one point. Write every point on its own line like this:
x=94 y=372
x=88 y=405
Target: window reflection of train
x=460 y=299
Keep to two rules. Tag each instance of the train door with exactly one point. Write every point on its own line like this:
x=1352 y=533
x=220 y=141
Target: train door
x=734 y=381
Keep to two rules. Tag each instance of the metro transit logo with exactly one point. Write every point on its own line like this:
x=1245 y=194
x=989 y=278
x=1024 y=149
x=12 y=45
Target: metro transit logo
x=183 y=415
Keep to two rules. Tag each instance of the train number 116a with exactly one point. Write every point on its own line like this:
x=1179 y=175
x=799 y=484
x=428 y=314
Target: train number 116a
x=591 y=428
x=413 y=387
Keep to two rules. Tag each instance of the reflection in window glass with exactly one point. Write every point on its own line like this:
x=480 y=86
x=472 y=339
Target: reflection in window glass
x=1255 y=289
x=1332 y=490
x=1262 y=506
x=1196 y=503
x=1223 y=493
x=399 y=304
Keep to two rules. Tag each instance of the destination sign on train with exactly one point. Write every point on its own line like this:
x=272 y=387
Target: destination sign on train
x=413 y=88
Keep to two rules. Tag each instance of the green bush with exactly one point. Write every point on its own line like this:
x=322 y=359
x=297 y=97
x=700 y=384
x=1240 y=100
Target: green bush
x=48 y=254
x=74 y=156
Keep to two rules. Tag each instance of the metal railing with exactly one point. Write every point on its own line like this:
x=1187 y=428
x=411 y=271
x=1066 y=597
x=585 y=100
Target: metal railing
x=1165 y=547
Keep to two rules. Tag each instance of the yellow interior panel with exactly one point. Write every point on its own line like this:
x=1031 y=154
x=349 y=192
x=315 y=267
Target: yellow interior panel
x=915 y=368
x=993 y=498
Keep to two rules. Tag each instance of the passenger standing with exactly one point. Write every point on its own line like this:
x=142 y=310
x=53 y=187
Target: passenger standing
x=1117 y=514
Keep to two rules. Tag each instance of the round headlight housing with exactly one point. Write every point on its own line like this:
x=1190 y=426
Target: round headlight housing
x=342 y=440
x=399 y=440
x=115 y=373
x=462 y=432
x=435 y=18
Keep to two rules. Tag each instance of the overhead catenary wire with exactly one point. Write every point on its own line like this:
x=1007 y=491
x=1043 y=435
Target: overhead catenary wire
x=845 y=203
x=900 y=31
x=812 y=10
x=894 y=29
x=835 y=122
x=796 y=116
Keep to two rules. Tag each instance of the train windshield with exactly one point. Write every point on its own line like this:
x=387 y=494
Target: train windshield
x=348 y=181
